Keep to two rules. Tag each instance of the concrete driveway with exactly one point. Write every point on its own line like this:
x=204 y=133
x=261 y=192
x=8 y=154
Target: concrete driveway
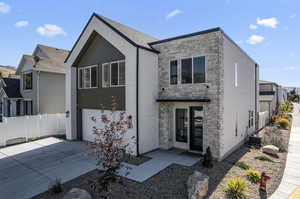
x=28 y=169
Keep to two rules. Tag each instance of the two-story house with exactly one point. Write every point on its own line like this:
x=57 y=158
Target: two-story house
x=190 y=92
x=42 y=81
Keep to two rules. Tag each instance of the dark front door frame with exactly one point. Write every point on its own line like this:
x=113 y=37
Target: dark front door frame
x=192 y=129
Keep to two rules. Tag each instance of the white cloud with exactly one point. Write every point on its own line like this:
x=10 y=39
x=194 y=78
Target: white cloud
x=268 y=22
x=292 y=16
x=4 y=8
x=50 y=30
x=173 y=13
x=252 y=26
x=22 y=24
x=255 y=39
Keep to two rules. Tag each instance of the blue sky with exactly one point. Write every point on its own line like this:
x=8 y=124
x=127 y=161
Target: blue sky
x=268 y=30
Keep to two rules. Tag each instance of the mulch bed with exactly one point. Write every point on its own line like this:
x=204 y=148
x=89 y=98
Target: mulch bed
x=170 y=183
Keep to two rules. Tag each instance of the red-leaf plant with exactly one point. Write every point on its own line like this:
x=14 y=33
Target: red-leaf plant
x=110 y=144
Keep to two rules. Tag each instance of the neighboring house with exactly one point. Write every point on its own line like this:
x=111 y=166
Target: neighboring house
x=7 y=71
x=10 y=97
x=42 y=81
x=191 y=92
x=269 y=98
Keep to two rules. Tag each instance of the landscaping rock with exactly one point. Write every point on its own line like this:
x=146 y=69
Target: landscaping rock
x=76 y=193
x=197 y=185
x=270 y=149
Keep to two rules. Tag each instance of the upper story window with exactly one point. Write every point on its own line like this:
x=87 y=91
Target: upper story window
x=113 y=74
x=88 y=77
x=236 y=75
x=27 y=81
x=192 y=70
x=173 y=72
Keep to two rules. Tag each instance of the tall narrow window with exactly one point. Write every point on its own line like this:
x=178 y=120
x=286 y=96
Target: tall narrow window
x=106 y=75
x=173 y=72
x=80 y=78
x=181 y=125
x=199 y=69
x=87 y=80
x=122 y=73
x=236 y=75
x=94 y=77
x=27 y=81
x=114 y=74
x=186 y=71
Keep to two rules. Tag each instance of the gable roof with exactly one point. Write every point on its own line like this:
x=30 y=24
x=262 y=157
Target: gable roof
x=12 y=87
x=53 y=63
x=136 y=38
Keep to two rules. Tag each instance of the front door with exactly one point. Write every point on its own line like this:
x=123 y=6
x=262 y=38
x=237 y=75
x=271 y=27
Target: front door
x=196 y=128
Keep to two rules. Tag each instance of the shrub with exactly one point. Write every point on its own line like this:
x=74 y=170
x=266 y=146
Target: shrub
x=242 y=165
x=273 y=136
x=208 y=159
x=56 y=187
x=253 y=175
x=236 y=188
x=283 y=122
x=263 y=158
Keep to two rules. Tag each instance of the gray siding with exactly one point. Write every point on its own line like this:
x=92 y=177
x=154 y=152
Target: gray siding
x=99 y=51
x=52 y=93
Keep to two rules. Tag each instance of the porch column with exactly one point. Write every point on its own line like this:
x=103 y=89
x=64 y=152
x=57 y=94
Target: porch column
x=166 y=125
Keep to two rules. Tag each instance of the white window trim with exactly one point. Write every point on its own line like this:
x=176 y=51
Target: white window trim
x=110 y=77
x=83 y=85
x=179 y=82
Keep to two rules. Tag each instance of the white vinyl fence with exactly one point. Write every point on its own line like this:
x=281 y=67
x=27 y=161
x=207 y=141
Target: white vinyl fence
x=263 y=119
x=32 y=126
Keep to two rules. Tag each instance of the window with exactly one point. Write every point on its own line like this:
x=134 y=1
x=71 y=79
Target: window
x=199 y=69
x=192 y=70
x=87 y=77
x=236 y=75
x=113 y=74
x=186 y=71
x=181 y=125
x=27 y=81
x=106 y=75
x=173 y=72
x=28 y=107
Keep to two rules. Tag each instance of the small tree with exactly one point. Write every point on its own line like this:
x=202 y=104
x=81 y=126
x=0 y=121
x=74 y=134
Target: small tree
x=110 y=146
x=208 y=159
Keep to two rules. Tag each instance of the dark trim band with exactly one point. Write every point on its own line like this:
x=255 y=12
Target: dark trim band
x=183 y=100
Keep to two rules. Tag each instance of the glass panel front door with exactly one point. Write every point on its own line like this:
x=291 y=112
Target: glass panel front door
x=196 y=128
x=181 y=125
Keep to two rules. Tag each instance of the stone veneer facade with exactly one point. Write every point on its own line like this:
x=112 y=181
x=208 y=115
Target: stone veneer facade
x=209 y=45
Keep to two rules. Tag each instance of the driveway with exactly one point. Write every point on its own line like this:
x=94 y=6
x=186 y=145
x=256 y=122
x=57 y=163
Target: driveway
x=28 y=169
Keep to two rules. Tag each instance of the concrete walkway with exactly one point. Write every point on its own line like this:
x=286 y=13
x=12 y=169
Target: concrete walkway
x=291 y=177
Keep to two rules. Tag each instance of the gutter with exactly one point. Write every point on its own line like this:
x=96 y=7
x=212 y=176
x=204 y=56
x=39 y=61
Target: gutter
x=137 y=102
x=38 y=92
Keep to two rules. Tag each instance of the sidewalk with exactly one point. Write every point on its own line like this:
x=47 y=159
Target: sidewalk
x=291 y=177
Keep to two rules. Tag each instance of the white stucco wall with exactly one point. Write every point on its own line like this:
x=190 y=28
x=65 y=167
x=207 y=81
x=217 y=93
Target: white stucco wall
x=148 y=107
x=237 y=100
x=130 y=61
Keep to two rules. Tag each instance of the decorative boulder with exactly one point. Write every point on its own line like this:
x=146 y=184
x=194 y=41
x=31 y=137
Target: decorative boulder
x=197 y=185
x=76 y=193
x=270 y=149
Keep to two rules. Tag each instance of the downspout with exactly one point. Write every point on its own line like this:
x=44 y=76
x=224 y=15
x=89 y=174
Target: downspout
x=38 y=92
x=256 y=112
x=137 y=102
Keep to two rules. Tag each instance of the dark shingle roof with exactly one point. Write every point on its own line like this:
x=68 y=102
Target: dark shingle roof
x=136 y=36
x=12 y=88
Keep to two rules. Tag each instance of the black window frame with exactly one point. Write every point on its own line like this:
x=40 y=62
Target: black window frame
x=173 y=72
x=25 y=77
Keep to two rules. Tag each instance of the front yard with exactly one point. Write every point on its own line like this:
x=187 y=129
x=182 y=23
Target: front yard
x=171 y=182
